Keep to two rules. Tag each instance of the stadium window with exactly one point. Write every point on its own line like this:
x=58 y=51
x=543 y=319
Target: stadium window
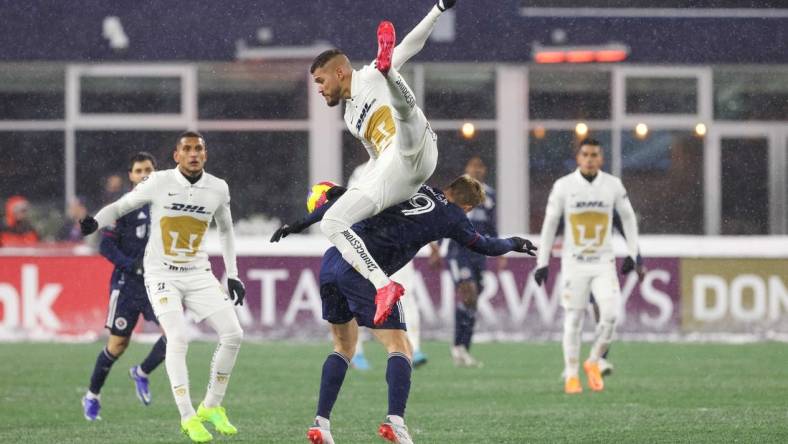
x=455 y=150
x=253 y=90
x=459 y=91
x=751 y=93
x=663 y=174
x=32 y=91
x=563 y=94
x=663 y=95
x=130 y=95
x=551 y=157
x=745 y=185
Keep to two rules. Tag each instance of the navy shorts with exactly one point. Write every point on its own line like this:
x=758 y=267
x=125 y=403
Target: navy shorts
x=346 y=295
x=468 y=266
x=127 y=301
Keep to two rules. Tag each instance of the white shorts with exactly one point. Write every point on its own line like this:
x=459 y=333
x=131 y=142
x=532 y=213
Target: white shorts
x=200 y=294
x=578 y=282
x=399 y=171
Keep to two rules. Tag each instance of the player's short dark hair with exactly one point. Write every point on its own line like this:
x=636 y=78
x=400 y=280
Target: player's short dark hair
x=189 y=134
x=465 y=190
x=587 y=141
x=323 y=58
x=142 y=156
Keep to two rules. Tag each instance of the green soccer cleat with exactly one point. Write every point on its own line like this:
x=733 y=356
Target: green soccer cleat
x=194 y=429
x=217 y=417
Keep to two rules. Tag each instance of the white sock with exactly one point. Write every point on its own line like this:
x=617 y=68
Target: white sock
x=225 y=324
x=174 y=325
x=402 y=98
x=91 y=395
x=396 y=420
x=573 y=326
x=139 y=372
x=604 y=334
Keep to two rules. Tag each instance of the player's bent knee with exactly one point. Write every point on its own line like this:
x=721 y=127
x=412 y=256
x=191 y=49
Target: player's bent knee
x=233 y=337
x=117 y=345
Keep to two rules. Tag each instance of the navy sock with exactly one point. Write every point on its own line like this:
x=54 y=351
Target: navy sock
x=155 y=357
x=103 y=365
x=398 y=377
x=464 y=321
x=334 y=370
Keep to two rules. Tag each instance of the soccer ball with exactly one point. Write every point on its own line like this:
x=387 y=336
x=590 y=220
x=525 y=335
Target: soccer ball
x=317 y=195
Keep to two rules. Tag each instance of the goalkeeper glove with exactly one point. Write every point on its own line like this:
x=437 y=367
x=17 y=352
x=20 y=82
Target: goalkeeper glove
x=236 y=290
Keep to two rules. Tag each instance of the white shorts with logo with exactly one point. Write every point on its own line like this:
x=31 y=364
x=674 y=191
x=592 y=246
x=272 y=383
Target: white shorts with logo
x=399 y=171
x=201 y=294
x=579 y=281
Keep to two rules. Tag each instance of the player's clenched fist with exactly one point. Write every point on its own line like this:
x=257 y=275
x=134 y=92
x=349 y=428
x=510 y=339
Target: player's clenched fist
x=237 y=291
x=524 y=246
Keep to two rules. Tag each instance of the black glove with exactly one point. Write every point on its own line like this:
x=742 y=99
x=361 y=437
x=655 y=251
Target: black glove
x=236 y=290
x=445 y=4
x=88 y=225
x=541 y=274
x=335 y=192
x=628 y=266
x=524 y=246
x=281 y=232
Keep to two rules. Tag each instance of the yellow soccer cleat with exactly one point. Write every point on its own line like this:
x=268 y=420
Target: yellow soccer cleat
x=572 y=386
x=217 y=417
x=594 y=376
x=194 y=429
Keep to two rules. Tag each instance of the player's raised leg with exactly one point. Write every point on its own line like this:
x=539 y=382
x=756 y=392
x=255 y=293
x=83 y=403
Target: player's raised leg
x=333 y=375
x=398 y=377
x=225 y=324
x=353 y=207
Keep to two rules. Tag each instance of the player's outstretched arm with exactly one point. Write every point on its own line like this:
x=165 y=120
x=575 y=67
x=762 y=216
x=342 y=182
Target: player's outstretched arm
x=141 y=194
x=466 y=235
x=310 y=219
x=417 y=37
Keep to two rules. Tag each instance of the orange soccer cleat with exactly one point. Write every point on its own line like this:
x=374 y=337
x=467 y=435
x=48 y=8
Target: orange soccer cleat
x=385 y=299
x=387 y=38
x=594 y=376
x=572 y=386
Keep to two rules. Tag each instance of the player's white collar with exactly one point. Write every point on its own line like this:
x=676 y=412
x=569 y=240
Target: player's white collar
x=583 y=180
x=355 y=87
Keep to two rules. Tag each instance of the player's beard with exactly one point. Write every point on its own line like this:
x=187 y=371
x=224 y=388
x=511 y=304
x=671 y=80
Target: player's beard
x=332 y=102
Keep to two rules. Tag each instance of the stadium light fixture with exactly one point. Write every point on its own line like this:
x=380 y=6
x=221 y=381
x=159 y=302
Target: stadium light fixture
x=700 y=129
x=608 y=53
x=641 y=130
x=468 y=130
x=581 y=129
x=540 y=132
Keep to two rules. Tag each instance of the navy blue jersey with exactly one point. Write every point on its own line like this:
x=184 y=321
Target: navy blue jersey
x=394 y=236
x=483 y=219
x=124 y=245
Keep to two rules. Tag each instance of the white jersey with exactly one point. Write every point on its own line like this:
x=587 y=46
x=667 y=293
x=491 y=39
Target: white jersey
x=587 y=209
x=180 y=215
x=368 y=112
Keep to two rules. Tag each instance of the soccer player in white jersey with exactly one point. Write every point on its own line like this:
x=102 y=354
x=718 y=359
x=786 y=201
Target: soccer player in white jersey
x=405 y=276
x=381 y=111
x=586 y=199
x=178 y=276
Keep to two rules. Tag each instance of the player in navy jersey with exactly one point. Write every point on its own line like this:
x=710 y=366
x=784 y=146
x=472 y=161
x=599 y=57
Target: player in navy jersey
x=393 y=237
x=124 y=245
x=466 y=267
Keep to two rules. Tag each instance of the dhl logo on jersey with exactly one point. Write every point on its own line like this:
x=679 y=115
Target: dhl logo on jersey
x=187 y=208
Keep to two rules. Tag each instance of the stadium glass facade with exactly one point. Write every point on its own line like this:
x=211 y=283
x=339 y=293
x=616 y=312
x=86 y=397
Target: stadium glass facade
x=702 y=149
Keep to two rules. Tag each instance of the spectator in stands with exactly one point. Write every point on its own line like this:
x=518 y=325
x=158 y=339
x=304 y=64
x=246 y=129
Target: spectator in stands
x=70 y=231
x=17 y=231
x=113 y=189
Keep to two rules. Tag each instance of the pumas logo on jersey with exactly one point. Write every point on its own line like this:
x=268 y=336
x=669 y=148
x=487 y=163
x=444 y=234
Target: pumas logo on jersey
x=364 y=111
x=590 y=204
x=187 y=208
